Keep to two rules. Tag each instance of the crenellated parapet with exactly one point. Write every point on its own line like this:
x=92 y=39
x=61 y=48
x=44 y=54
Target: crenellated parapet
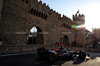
x=44 y=4
x=67 y=22
x=96 y=29
x=42 y=10
x=96 y=33
x=48 y=7
x=67 y=19
x=79 y=17
x=40 y=2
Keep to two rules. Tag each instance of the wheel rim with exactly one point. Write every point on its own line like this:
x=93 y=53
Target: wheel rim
x=52 y=56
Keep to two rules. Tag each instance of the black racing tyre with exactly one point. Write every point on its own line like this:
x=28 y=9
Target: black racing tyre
x=52 y=56
x=82 y=55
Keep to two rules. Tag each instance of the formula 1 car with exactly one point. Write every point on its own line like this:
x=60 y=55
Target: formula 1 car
x=55 y=53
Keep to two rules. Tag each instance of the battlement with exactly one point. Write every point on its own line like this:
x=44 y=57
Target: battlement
x=40 y=2
x=96 y=29
x=44 y=4
x=51 y=11
x=66 y=18
x=78 y=17
x=45 y=9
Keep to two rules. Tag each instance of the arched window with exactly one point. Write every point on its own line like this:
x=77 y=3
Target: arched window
x=31 y=10
x=35 y=36
x=46 y=17
x=37 y=13
x=33 y=32
x=41 y=15
x=65 y=39
x=34 y=11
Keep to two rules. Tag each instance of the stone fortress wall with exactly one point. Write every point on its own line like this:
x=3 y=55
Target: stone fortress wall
x=19 y=16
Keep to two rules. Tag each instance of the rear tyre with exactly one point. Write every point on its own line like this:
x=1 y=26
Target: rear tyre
x=52 y=57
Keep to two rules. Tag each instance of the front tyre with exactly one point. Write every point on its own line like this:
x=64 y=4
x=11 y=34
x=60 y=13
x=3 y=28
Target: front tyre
x=52 y=56
x=82 y=55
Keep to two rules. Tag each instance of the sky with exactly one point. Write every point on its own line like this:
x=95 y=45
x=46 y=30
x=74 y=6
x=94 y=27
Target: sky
x=90 y=8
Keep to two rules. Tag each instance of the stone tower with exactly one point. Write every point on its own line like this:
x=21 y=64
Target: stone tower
x=79 y=21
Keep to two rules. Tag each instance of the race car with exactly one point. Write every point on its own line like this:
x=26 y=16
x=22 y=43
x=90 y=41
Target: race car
x=55 y=53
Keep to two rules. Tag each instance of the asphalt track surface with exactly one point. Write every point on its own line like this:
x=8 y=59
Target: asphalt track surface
x=32 y=59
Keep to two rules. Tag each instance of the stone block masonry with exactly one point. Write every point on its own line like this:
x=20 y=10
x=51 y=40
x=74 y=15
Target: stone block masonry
x=18 y=17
